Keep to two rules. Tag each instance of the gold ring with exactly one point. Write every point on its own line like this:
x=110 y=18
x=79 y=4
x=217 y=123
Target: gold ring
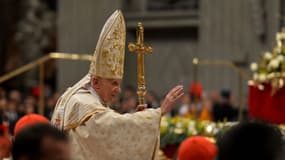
x=174 y=95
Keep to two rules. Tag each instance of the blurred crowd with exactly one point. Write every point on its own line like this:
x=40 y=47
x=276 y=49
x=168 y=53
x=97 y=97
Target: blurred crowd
x=195 y=104
x=14 y=104
x=17 y=108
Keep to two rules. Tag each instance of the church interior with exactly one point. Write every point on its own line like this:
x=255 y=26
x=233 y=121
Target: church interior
x=228 y=55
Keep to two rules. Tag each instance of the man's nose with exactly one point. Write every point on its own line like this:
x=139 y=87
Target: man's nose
x=117 y=89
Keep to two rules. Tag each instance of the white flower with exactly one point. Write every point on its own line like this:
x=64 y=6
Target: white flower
x=271 y=75
x=192 y=128
x=262 y=77
x=255 y=76
x=178 y=125
x=277 y=49
x=164 y=124
x=253 y=66
x=267 y=55
x=178 y=130
x=274 y=63
x=209 y=128
x=280 y=58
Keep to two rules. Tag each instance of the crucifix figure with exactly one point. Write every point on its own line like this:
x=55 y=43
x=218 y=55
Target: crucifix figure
x=141 y=50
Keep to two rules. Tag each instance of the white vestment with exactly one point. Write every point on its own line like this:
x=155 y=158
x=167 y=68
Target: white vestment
x=99 y=133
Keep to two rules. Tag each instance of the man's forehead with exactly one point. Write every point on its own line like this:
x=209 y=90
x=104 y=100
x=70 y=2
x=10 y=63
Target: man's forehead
x=107 y=79
x=111 y=79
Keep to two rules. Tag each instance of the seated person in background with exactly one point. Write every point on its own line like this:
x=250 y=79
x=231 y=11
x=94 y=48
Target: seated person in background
x=184 y=105
x=128 y=105
x=195 y=91
x=41 y=142
x=224 y=110
x=249 y=141
x=206 y=112
x=152 y=99
x=197 y=148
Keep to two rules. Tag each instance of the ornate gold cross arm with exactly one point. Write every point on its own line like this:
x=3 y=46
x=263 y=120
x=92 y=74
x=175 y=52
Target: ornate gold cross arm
x=141 y=50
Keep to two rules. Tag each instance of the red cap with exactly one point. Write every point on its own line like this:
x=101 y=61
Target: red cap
x=28 y=120
x=197 y=148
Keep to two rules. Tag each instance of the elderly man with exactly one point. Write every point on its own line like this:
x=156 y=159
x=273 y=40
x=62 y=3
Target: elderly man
x=96 y=131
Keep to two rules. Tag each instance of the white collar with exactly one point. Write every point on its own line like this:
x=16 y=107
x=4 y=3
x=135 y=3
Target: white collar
x=94 y=93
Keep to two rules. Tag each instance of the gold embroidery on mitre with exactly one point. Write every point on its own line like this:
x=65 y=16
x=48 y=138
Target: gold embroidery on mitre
x=108 y=59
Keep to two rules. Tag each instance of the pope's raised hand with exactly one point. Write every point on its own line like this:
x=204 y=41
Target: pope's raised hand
x=171 y=98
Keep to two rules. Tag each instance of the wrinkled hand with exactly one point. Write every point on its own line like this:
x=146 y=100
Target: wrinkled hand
x=141 y=107
x=171 y=98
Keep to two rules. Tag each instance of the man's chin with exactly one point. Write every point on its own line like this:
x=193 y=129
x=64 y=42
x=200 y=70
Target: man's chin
x=108 y=101
x=114 y=99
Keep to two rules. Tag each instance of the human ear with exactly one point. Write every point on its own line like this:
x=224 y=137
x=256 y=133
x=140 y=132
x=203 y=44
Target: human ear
x=95 y=82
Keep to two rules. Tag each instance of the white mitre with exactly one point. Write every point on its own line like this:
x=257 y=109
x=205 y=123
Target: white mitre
x=108 y=59
x=107 y=62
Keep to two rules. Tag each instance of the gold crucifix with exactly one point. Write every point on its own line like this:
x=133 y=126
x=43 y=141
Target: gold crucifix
x=140 y=49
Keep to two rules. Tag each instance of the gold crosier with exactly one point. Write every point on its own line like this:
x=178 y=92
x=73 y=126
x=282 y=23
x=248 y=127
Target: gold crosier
x=141 y=50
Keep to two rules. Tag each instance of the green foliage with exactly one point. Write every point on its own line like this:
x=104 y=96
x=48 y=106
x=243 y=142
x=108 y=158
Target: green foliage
x=175 y=130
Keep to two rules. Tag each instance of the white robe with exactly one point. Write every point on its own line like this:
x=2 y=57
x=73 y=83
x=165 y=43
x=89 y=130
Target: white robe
x=99 y=133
